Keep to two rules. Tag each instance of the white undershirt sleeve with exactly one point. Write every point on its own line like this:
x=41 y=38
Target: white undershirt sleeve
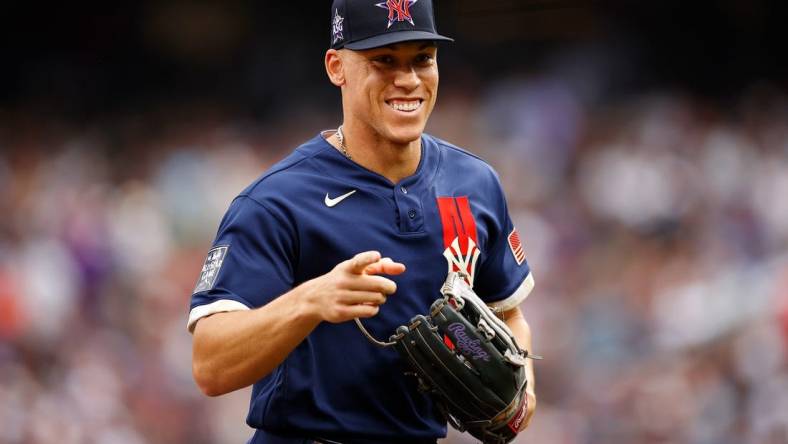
x=222 y=305
x=517 y=297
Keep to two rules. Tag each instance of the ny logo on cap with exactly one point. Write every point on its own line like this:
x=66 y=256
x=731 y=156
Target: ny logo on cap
x=399 y=10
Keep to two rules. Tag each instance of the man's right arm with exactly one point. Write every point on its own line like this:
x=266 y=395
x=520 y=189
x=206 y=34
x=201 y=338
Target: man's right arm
x=232 y=350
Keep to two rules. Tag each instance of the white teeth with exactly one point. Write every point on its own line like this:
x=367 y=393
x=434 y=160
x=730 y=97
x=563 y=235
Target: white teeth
x=405 y=106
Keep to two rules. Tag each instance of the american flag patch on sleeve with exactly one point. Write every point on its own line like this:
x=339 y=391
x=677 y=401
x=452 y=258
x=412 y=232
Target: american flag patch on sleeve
x=516 y=246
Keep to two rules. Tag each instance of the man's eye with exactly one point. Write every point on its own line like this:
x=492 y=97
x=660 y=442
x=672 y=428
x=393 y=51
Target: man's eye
x=384 y=59
x=424 y=59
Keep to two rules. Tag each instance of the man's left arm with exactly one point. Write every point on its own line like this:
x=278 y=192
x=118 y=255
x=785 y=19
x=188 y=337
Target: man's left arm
x=522 y=332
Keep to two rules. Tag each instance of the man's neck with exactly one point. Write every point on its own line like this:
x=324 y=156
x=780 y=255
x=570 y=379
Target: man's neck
x=391 y=160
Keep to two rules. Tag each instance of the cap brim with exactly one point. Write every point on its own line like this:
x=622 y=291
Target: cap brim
x=391 y=38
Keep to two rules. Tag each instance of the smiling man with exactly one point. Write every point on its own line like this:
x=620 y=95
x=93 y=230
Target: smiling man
x=375 y=212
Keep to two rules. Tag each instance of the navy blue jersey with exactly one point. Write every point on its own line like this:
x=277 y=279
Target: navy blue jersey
x=317 y=208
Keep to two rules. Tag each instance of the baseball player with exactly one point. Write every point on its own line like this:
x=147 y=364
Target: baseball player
x=364 y=221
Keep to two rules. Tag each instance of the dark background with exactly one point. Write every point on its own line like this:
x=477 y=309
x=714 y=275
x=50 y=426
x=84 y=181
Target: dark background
x=83 y=60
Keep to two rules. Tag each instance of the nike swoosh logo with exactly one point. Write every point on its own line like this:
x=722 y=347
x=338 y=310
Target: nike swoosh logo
x=331 y=202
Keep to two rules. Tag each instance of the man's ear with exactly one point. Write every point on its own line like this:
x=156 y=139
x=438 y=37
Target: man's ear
x=335 y=67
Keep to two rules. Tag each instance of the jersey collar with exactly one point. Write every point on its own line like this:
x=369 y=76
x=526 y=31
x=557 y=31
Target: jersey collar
x=337 y=165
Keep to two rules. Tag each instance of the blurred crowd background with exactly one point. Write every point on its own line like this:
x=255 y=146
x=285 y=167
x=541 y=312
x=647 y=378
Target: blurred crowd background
x=644 y=150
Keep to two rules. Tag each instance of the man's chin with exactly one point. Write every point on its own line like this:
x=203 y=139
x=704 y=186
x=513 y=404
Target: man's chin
x=402 y=136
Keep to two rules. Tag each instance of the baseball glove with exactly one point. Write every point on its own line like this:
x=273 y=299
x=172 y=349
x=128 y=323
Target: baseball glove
x=469 y=361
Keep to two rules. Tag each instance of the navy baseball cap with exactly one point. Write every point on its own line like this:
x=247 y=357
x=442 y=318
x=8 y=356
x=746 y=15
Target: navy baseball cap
x=365 y=24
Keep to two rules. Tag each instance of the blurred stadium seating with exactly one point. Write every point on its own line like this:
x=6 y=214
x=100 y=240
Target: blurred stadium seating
x=654 y=214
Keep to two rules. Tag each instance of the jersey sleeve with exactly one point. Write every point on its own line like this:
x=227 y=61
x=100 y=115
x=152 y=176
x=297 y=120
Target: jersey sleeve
x=504 y=279
x=249 y=264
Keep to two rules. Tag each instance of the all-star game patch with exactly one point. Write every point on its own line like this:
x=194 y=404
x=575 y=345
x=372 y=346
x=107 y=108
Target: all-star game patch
x=336 y=27
x=211 y=267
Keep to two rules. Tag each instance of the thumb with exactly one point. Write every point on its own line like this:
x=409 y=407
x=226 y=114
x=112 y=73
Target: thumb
x=360 y=261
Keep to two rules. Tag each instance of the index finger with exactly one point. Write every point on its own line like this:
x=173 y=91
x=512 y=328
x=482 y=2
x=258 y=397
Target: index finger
x=385 y=266
x=358 y=263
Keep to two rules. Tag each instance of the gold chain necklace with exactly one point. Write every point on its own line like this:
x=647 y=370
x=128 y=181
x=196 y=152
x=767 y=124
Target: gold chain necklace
x=342 y=146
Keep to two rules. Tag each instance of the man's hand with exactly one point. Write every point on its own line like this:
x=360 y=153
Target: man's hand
x=353 y=289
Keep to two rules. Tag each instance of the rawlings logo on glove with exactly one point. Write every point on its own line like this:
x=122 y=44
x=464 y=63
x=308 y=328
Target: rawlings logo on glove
x=468 y=347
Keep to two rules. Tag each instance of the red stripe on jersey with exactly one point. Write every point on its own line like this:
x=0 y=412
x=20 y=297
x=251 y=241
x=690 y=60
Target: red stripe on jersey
x=468 y=223
x=448 y=213
x=457 y=221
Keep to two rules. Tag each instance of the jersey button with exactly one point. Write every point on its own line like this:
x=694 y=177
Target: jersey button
x=404 y=190
x=412 y=213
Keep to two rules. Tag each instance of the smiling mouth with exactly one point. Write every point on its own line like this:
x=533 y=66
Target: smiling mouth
x=405 y=105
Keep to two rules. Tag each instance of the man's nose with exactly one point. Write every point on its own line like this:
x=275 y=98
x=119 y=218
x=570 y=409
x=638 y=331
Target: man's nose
x=407 y=78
